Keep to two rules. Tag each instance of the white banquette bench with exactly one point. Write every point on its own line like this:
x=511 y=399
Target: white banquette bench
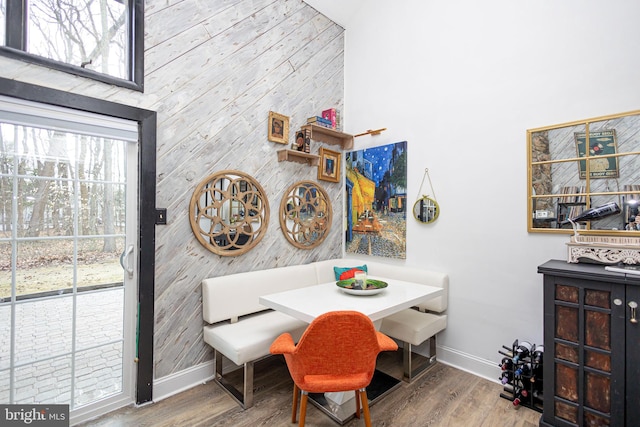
x=241 y=330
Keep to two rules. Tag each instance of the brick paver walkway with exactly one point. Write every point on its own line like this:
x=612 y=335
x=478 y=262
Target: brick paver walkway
x=43 y=348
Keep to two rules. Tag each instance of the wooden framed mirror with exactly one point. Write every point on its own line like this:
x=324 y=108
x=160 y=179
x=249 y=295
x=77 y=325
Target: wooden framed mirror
x=585 y=164
x=305 y=214
x=229 y=213
x=426 y=210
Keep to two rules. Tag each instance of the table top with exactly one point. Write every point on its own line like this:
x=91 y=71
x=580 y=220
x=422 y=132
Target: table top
x=309 y=302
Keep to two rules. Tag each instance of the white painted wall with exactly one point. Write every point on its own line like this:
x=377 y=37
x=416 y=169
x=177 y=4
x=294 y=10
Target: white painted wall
x=461 y=81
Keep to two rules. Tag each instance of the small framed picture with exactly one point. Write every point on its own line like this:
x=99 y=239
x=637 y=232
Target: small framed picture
x=299 y=144
x=329 y=165
x=278 y=128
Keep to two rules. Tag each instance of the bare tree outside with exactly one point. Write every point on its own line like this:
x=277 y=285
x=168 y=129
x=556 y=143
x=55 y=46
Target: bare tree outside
x=42 y=193
x=91 y=34
x=67 y=211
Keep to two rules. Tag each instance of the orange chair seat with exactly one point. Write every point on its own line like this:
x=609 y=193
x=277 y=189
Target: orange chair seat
x=334 y=383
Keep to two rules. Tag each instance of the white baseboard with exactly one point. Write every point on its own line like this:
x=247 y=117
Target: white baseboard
x=203 y=373
x=487 y=369
x=183 y=380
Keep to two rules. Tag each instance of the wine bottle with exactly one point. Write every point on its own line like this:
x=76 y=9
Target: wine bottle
x=509 y=354
x=506 y=364
x=506 y=377
x=596 y=213
x=523 y=370
x=520 y=395
x=537 y=358
x=523 y=349
x=538 y=354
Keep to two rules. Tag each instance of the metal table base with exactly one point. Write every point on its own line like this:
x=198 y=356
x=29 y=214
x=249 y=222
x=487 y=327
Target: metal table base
x=381 y=384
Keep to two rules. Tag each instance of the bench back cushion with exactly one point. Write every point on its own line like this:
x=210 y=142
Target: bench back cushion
x=325 y=273
x=236 y=295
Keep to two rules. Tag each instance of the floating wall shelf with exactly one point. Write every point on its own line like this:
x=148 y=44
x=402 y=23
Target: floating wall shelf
x=298 y=156
x=330 y=136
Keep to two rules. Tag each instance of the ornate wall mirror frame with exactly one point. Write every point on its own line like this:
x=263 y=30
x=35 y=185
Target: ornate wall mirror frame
x=305 y=214
x=585 y=164
x=229 y=213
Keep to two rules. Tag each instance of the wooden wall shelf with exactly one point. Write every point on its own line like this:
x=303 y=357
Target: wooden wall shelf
x=298 y=156
x=330 y=136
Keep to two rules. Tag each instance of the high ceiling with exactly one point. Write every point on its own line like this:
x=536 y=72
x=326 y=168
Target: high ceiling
x=339 y=11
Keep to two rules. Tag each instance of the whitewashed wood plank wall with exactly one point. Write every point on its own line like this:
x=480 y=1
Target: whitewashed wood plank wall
x=213 y=71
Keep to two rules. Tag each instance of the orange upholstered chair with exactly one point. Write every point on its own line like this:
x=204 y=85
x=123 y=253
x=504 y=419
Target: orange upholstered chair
x=337 y=352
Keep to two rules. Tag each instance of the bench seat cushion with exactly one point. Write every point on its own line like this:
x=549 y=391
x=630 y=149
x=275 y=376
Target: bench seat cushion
x=250 y=338
x=413 y=326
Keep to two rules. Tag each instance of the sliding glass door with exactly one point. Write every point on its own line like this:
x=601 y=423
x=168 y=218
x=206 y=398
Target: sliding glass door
x=68 y=233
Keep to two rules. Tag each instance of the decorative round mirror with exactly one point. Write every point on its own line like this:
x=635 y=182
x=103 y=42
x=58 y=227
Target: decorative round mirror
x=305 y=214
x=229 y=213
x=426 y=210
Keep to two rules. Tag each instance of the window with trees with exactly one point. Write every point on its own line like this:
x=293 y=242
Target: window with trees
x=99 y=39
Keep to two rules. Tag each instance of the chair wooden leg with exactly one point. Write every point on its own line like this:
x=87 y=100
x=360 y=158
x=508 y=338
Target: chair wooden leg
x=365 y=407
x=294 y=411
x=303 y=407
x=357 y=403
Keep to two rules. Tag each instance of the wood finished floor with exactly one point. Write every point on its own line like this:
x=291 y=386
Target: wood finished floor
x=443 y=396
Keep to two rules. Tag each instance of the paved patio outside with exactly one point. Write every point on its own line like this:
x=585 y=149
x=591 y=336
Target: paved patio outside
x=43 y=346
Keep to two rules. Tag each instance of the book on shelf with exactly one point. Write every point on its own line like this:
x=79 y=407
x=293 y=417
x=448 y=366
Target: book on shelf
x=571 y=195
x=635 y=188
x=575 y=211
x=627 y=269
x=318 y=120
x=330 y=114
x=307 y=141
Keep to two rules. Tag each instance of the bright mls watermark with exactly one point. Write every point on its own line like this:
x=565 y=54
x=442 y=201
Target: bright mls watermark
x=34 y=415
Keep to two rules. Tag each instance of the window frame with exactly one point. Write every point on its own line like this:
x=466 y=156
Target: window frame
x=16 y=25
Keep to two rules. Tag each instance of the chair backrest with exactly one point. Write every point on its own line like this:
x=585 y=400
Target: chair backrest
x=337 y=343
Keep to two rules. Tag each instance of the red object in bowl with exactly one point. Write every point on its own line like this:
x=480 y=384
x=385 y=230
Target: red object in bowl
x=350 y=274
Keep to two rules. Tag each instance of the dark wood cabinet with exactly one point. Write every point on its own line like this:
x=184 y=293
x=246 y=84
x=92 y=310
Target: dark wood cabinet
x=592 y=346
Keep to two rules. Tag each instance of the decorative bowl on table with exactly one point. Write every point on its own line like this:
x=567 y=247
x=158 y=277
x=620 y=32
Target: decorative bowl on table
x=372 y=287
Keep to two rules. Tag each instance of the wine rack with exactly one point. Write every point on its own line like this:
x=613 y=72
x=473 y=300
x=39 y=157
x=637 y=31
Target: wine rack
x=522 y=374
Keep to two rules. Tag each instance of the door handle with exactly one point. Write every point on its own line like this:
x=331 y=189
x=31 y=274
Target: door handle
x=129 y=260
x=633 y=305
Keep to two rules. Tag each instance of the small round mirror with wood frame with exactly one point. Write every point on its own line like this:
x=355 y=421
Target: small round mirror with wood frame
x=426 y=210
x=305 y=214
x=229 y=213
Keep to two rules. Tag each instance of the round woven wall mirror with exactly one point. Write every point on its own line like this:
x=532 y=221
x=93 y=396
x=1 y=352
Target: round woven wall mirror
x=229 y=213
x=305 y=214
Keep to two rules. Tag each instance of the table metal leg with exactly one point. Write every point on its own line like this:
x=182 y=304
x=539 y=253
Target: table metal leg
x=381 y=384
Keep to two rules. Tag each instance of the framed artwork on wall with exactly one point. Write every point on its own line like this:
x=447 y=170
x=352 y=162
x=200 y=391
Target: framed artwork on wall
x=278 y=128
x=299 y=144
x=600 y=143
x=329 y=165
x=376 y=201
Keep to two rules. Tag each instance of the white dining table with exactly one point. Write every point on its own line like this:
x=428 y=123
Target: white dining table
x=309 y=302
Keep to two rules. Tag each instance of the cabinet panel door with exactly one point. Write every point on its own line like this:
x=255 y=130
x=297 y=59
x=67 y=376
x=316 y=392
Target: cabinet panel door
x=588 y=344
x=633 y=357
